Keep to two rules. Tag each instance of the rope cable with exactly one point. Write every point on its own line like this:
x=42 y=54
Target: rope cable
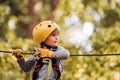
x=28 y=53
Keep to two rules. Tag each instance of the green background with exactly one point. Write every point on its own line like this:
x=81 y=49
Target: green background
x=87 y=27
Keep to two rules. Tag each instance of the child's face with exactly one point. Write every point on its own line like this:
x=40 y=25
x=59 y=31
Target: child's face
x=53 y=38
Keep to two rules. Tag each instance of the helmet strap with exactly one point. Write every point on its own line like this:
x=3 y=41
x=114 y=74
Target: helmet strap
x=42 y=44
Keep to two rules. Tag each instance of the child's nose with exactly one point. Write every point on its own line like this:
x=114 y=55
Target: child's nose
x=56 y=37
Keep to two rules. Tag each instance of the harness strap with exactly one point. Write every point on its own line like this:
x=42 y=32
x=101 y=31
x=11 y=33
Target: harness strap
x=49 y=62
x=37 y=68
x=32 y=71
x=52 y=63
x=56 y=68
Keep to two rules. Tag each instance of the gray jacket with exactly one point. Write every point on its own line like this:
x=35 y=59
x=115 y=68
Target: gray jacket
x=60 y=54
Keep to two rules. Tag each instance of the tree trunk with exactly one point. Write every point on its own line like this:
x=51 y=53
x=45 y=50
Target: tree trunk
x=53 y=4
x=34 y=8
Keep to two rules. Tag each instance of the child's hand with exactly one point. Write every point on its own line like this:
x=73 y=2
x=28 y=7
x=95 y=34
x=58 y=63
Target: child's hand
x=44 y=53
x=18 y=54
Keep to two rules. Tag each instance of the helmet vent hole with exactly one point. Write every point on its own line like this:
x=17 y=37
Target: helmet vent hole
x=49 y=25
x=40 y=24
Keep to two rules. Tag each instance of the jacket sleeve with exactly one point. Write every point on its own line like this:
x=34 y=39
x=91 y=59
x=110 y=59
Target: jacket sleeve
x=27 y=65
x=61 y=53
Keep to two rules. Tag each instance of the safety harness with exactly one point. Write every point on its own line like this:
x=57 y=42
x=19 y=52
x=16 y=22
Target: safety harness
x=41 y=63
x=52 y=63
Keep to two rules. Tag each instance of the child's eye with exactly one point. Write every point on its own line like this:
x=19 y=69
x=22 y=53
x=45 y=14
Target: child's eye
x=53 y=35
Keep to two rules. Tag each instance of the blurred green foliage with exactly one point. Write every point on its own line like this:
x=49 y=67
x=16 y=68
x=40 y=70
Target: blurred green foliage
x=16 y=15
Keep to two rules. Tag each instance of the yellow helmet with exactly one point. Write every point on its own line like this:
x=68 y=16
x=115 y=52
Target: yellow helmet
x=43 y=30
